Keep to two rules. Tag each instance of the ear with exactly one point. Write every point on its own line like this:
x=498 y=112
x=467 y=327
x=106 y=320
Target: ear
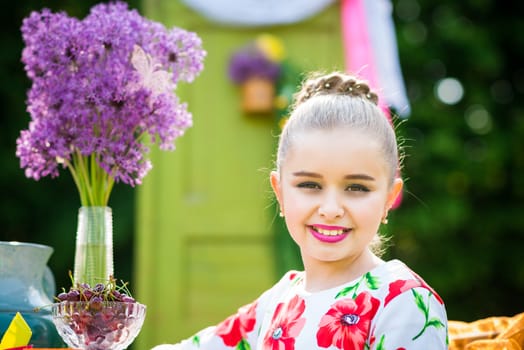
x=275 y=185
x=394 y=192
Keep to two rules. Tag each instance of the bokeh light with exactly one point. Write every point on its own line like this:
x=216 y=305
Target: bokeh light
x=449 y=91
x=478 y=119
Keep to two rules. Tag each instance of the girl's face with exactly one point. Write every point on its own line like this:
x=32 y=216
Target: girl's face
x=334 y=190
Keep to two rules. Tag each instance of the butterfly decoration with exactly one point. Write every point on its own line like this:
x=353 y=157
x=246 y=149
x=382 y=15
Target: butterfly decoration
x=152 y=77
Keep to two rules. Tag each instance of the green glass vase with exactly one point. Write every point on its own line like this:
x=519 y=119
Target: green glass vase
x=94 y=245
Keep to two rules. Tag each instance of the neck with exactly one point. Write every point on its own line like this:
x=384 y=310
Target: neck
x=322 y=275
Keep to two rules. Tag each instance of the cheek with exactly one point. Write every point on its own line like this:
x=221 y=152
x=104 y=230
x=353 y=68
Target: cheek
x=367 y=208
x=296 y=206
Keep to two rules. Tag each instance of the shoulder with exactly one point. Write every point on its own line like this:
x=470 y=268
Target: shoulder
x=290 y=278
x=412 y=305
x=287 y=281
x=396 y=269
x=399 y=278
x=293 y=276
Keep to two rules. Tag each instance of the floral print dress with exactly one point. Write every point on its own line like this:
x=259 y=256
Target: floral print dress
x=388 y=308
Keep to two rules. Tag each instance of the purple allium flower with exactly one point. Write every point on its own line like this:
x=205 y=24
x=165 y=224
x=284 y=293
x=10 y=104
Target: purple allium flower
x=99 y=86
x=251 y=62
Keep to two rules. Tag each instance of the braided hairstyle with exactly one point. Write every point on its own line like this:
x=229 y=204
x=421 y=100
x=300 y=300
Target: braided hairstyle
x=339 y=100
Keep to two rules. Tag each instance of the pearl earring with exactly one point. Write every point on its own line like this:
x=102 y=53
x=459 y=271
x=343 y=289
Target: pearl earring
x=385 y=220
x=281 y=214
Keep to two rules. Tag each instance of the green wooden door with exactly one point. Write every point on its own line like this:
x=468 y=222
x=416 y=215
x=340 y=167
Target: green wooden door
x=204 y=243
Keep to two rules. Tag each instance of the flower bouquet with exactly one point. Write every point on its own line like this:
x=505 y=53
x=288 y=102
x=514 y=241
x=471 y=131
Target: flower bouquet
x=103 y=89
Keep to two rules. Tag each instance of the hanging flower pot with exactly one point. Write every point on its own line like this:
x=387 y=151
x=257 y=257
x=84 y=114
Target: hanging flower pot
x=256 y=68
x=257 y=95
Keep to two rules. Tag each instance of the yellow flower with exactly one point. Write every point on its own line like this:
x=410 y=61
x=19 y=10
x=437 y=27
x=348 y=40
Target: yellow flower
x=271 y=46
x=281 y=102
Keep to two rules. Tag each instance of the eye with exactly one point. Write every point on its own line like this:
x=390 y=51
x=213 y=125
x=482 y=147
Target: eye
x=309 y=185
x=357 y=188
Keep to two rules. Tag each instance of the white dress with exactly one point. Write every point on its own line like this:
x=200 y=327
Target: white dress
x=388 y=308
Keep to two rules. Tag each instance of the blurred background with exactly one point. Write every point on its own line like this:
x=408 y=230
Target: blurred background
x=461 y=221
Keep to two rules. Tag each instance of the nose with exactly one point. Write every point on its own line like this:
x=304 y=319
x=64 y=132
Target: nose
x=331 y=207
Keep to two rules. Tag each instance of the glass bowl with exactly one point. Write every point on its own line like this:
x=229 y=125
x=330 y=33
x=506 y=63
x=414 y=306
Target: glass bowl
x=110 y=325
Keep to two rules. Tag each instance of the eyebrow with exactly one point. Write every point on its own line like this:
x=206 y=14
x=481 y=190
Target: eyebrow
x=348 y=177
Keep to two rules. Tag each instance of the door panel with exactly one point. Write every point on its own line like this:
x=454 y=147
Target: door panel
x=204 y=243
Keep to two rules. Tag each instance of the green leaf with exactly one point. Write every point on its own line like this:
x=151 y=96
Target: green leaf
x=196 y=340
x=243 y=345
x=419 y=300
x=371 y=281
x=296 y=281
x=380 y=345
x=435 y=322
x=347 y=290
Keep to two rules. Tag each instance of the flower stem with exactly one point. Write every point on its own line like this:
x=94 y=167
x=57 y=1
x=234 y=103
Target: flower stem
x=94 y=245
x=80 y=161
x=78 y=183
x=93 y=183
x=110 y=182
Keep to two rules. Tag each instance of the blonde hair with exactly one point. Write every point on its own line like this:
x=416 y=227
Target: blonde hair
x=339 y=100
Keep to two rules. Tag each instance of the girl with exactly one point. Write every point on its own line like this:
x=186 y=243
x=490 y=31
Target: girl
x=335 y=181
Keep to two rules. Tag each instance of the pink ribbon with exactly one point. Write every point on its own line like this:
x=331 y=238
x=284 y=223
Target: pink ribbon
x=358 y=51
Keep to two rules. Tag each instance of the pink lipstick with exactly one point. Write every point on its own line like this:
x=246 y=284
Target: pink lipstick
x=329 y=234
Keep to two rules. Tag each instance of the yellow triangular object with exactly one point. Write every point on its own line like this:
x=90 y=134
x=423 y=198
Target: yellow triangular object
x=17 y=334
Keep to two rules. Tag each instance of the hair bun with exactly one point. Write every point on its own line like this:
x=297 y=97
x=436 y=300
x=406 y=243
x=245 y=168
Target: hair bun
x=335 y=84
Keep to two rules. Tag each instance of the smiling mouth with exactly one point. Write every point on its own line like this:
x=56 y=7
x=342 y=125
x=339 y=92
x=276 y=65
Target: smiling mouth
x=329 y=235
x=330 y=232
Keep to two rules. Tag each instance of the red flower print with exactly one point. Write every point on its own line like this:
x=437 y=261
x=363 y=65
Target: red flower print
x=346 y=324
x=285 y=325
x=235 y=328
x=400 y=286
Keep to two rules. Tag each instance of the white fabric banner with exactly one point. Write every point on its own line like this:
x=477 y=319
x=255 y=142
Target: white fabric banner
x=257 y=12
x=383 y=39
x=380 y=26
